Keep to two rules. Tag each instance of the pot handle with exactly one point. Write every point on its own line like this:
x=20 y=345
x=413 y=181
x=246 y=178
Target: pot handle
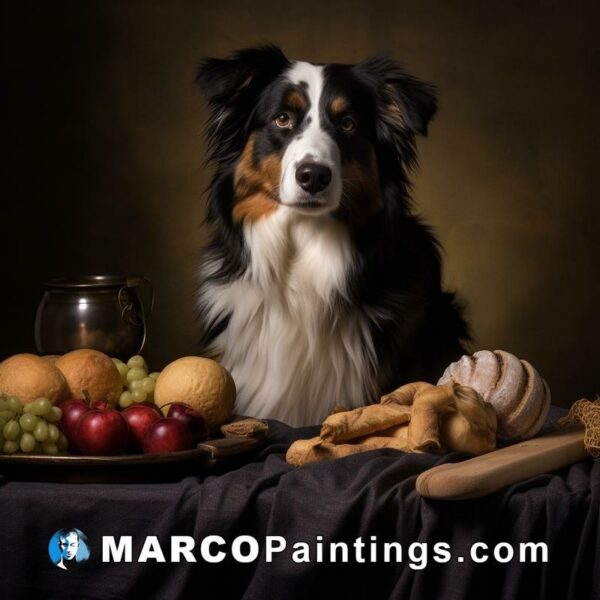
x=127 y=306
x=133 y=282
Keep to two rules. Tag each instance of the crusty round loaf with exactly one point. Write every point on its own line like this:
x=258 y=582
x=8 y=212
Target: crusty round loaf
x=520 y=397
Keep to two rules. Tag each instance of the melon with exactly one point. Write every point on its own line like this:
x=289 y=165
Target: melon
x=202 y=383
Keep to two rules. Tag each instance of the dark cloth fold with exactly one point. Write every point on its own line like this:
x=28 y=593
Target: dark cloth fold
x=363 y=495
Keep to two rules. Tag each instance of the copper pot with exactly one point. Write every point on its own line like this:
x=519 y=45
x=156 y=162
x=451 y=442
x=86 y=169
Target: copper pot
x=103 y=312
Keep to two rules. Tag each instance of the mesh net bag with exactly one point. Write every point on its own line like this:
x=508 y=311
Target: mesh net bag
x=587 y=413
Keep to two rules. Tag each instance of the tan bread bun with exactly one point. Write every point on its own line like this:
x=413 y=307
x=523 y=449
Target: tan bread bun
x=29 y=376
x=200 y=382
x=519 y=395
x=93 y=372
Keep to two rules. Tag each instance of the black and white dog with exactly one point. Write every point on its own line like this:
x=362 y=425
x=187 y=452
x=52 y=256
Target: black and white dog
x=319 y=286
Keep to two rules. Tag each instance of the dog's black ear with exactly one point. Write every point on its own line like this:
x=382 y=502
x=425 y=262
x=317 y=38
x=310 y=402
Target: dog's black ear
x=408 y=102
x=233 y=86
x=223 y=80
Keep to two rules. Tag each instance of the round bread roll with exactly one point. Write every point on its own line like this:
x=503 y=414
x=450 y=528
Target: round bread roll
x=29 y=376
x=91 y=372
x=200 y=382
x=520 y=397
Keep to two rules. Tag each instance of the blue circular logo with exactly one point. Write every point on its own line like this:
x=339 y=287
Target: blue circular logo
x=68 y=548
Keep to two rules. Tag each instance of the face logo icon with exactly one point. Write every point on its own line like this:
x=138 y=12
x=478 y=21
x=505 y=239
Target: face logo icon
x=68 y=548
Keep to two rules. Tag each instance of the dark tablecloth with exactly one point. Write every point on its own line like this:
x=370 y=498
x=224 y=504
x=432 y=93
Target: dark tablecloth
x=370 y=494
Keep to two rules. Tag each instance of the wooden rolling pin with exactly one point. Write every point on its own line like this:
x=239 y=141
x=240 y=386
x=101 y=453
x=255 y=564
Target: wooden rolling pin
x=490 y=472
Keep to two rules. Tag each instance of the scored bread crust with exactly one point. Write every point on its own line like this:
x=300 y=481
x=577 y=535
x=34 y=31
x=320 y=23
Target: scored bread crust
x=519 y=395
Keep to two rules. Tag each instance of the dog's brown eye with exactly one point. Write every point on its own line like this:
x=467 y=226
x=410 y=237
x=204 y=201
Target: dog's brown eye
x=347 y=124
x=283 y=120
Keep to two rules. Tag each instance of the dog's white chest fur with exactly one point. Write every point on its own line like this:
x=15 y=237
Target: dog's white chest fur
x=292 y=353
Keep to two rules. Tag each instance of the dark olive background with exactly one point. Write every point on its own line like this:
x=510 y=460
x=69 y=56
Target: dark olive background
x=104 y=155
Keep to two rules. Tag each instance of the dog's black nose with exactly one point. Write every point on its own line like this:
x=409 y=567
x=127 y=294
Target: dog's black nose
x=312 y=177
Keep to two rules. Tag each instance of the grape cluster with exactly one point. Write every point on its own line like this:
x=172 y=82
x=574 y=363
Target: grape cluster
x=30 y=428
x=137 y=382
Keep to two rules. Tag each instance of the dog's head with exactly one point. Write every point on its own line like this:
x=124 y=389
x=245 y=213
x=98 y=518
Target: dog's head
x=316 y=138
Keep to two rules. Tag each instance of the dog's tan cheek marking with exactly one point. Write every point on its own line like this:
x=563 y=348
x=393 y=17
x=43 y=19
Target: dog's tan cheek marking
x=254 y=208
x=255 y=185
x=270 y=167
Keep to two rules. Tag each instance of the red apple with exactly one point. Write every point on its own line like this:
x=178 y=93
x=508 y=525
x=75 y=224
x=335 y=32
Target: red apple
x=72 y=409
x=151 y=405
x=190 y=417
x=139 y=417
x=102 y=432
x=167 y=435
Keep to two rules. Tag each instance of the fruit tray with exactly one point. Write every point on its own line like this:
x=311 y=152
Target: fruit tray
x=210 y=455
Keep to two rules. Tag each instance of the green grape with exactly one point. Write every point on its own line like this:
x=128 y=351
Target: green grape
x=139 y=395
x=123 y=370
x=10 y=446
x=126 y=399
x=27 y=443
x=53 y=433
x=28 y=408
x=50 y=448
x=3 y=403
x=62 y=443
x=41 y=407
x=137 y=361
x=148 y=384
x=135 y=385
x=11 y=430
x=55 y=415
x=155 y=375
x=7 y=415
x=14 y=404
x=117 y=361
x=39 y=448
x=28 y=422
x=136 y=373
x=40 y=433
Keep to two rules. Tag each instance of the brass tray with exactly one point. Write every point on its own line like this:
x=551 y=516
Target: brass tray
x=212 y=455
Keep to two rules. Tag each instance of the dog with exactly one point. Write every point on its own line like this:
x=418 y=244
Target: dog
x=319 y=286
